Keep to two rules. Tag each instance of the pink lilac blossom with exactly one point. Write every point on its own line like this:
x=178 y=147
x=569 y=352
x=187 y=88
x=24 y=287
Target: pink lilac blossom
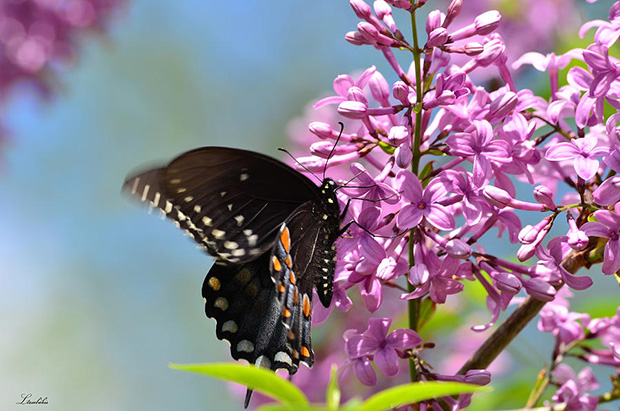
x=434 y=161
x=37 y=35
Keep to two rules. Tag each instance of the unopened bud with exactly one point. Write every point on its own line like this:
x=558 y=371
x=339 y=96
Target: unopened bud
x=356 y=38
x=454 y=9
x=400 y=91
x=437 y=37
x=507 y=282
x=539 y=289
x=320 y=129
x=496 y=196
x=361 y=9
x=487 y=22
x=478 y=377
x=544 y=196
x=353 y=109
x=457 y=248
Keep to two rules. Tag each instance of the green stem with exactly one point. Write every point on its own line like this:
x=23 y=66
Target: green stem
x=414 y=305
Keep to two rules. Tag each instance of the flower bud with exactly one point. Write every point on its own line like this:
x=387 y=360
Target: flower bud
x=356 y=38
x=493 y=50
x=437 y=37
x=382 y=9
x=402 y=4
x=496 y=196
x=502 y=106
x=403 y=156
x=433 y=20
x=454 y=9
x=369 y=32
x=473 y=48
x=397 y=135
x=352 y=109
x=507 y=282
x=379 y=88
x=320 y=129
x=529 y=234
x=487 y=22
x=418 y=275
x=577 y=240
x=477 y=377
x=356 y=94
x=457 y=248
x=361 y=9
x=526 y=251
x=401 y=92
x=544 y=196
x=539 y=289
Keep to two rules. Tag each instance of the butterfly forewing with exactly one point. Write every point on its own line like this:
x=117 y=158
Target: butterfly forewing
x=231 y=201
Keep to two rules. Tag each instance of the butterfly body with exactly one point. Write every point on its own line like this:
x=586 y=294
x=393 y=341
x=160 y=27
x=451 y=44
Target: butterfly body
x=272 y=232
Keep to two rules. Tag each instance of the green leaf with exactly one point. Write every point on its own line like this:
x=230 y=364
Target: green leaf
x=415 y=392
x=259 y=379
x=333 y=391
x=388 y=149
x=428 y=168
x=352 y=405
x=427 y=310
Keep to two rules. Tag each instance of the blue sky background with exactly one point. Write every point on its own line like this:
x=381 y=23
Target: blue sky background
x=97 y=296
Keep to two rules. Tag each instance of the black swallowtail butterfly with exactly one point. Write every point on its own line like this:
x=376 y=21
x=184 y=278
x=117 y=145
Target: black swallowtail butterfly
x=272 y=232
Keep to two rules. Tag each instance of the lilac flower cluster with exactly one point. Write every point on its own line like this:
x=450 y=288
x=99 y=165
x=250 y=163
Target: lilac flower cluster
x=434 y=162
x=35 y=35
x=573 y=332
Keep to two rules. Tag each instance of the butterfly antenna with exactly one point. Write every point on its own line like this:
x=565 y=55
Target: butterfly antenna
x=300 y=164
x=351 y=179
x=333 y=148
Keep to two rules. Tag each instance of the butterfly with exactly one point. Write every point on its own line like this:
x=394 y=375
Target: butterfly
x=272 y=232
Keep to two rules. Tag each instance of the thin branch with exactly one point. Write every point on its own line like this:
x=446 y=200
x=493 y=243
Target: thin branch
x=509 y=329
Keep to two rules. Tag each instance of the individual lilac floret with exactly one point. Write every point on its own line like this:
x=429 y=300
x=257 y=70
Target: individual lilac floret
x=439 y=284
x=583 y=151
x=607 y=226
x=424 y=202
x=552 y=256
x=478 y=145
x=574 y=389
x=575 y=238
x=374 y=268
x=566 y=326
x=342 y=84
x=376 y=342
x=448 y=90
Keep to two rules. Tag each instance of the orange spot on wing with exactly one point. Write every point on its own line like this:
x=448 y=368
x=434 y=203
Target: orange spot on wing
x=291 y=336
x=291 y=277
x=286 y=239
x=276 y=263
x=287 y=313
x=295 y=296
x=306 y=306
x=281 y=288
x=288 y=261
x=304 y=351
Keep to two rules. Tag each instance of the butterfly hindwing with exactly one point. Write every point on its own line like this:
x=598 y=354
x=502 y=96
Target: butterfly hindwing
x=242 y=300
